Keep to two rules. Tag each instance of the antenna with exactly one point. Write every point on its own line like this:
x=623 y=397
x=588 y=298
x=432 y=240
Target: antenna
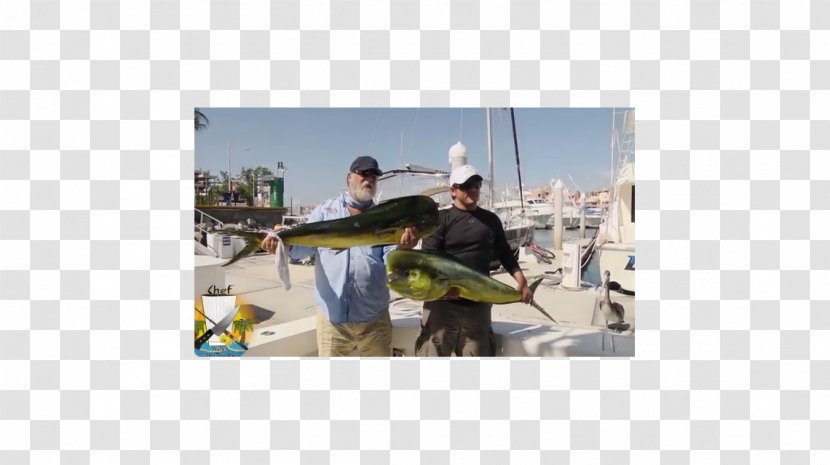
x=412 y=137
x=518 y=166
x=372 y=136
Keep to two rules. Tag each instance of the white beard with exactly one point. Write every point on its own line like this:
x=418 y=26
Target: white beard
x=362 y=194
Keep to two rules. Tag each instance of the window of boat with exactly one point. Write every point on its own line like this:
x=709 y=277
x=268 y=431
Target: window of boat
x=632 y=204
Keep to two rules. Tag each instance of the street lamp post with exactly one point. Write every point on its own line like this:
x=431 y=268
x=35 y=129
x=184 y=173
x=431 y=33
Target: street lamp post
x=230 y=188
x=257 y=193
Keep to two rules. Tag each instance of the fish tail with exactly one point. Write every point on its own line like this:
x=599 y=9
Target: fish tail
x=535 y=284
x=542 y=311
x=535 y=305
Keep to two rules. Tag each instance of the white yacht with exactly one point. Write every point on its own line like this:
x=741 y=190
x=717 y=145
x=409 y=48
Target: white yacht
x=615 y=238
x=539 y=210
x=616 y=234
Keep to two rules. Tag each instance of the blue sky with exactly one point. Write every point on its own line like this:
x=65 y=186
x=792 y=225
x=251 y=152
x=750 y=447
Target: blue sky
x=317 y=145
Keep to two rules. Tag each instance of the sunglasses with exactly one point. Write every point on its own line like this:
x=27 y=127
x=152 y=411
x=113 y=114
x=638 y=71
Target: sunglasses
x=367 y=173
x=469 y=185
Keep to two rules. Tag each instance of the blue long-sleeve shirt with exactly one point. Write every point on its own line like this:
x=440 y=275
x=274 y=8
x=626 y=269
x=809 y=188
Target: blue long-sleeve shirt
x=350 y=286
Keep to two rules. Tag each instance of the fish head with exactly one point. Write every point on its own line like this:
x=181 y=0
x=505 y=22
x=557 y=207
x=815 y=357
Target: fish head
x=411 y=276
x=413 y=283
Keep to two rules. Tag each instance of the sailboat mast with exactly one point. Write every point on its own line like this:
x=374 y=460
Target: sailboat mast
x=518 y=166
x=490 y=157
x=613 y=136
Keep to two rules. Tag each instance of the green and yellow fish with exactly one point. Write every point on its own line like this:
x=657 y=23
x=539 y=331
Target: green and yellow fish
x=382 y=224
x=425 y=276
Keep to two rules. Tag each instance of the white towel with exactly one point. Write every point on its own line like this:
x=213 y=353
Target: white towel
x=281 y=260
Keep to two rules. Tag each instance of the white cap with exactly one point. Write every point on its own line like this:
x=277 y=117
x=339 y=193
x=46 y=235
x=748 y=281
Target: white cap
x=461 y=174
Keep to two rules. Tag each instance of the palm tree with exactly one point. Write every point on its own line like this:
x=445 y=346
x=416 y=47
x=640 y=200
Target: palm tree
x=252 y=176
x=200 y=328
x=200 y=121
x=242 y=327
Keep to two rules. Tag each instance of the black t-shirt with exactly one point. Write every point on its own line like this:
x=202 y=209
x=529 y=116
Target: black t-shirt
x=474 y=238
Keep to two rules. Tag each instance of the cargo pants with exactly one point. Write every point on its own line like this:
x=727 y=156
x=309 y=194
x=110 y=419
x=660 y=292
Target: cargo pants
x=452 y=327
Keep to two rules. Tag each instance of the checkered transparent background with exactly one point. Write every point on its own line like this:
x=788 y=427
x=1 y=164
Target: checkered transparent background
x=96 y=280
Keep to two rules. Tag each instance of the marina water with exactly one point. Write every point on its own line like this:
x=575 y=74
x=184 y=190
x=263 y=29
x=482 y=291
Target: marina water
x=544 y=238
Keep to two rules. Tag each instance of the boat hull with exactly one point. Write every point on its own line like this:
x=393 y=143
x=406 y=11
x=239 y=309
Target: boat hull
x=619 y=260
x=512 y=339
x=542 y=221
x=518 y=234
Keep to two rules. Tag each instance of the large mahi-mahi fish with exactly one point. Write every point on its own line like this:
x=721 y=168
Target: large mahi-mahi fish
x=425 y=276
x=382 y=224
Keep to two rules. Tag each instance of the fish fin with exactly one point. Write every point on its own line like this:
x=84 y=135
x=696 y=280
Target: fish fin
x=542 y=311
x=253 y=236
x=438 y=253
x=375 y=205
x=385 y=202
x=535 y=284
x=249 y=249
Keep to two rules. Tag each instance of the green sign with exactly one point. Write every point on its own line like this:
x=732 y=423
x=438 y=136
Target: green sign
x=277 y=191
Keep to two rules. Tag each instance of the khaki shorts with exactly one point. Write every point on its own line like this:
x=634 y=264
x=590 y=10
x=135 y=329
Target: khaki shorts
x=372 y=339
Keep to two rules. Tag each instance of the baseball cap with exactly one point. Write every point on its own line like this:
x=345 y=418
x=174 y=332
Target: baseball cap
x=462 y=174
x=365 y=163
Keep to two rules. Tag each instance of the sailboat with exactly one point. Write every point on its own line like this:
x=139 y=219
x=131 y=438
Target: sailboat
x=540 y=210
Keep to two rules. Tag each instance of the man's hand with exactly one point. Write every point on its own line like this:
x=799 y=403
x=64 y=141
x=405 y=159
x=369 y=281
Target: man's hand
x=521 y=286
x=452 y=294
x=269 y=244
x=527 y=294
x=409 y=238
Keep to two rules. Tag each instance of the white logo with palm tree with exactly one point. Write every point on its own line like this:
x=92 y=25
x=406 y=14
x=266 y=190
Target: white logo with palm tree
x=216 y=308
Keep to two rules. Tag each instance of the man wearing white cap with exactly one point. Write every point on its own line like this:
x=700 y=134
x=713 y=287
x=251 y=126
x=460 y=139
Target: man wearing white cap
x=474 y=236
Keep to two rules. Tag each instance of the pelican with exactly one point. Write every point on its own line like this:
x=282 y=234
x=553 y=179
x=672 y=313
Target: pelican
x=613 y=312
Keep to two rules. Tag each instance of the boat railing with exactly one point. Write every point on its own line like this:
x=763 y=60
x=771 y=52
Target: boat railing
x=200 y=224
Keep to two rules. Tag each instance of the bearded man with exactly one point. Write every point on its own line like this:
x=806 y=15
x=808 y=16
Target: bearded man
x=350 y=285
